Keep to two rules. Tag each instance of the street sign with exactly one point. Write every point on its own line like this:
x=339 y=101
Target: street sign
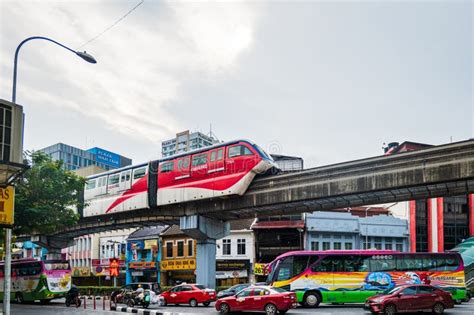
x=7 y=202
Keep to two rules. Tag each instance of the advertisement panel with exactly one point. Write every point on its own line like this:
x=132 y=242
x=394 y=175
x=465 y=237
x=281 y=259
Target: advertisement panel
x=178 y=264
x=229 y=265
x=106 y=157
x=149 y=244
x=7 y=198
x=142 y=265
x=259 y=269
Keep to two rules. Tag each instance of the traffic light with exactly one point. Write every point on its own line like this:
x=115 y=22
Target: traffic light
x=114 y=265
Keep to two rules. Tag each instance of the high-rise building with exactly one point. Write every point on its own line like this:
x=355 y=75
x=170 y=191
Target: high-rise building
x=186 y=141
x=75 y=158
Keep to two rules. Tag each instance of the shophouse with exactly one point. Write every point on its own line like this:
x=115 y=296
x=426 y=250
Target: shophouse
x=144 y=255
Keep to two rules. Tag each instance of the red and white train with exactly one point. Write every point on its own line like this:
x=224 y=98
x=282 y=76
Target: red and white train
x=220 y=170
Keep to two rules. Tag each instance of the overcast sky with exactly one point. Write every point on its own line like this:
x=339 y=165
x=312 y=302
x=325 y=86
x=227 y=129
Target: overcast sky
x=326 y=80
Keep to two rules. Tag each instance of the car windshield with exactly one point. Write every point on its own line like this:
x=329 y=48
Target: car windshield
x=200 y=286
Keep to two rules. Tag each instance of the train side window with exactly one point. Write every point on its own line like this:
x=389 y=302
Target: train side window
x=90 y=184
x=220 y=154
x=101 y=181
x=247 y=151
x=199 y=160
x=139 y=173
x=213 y=156
x=125 y=177
x=239 y=150
x=114 y=179
x=167 y=167
x=234 y=151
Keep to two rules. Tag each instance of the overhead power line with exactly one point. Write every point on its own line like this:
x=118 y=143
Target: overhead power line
x=112 y=25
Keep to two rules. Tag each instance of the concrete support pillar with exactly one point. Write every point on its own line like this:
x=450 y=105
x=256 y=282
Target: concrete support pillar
x=206 y=263
x=471 y=215
x=432 y=209
x=206 y=231
x=412 y=226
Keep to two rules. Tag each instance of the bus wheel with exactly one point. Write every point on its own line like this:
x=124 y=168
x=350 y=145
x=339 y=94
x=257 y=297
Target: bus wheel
x=312 y=299
x=19 y=298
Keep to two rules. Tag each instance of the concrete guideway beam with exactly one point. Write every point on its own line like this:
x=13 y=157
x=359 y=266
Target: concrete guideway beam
x=52 y=244
x=206 y=231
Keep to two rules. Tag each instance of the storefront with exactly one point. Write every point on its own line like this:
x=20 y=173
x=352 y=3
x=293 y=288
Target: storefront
x=143 y=255
x=231 y=272
x=142 y=271
x=176 y=271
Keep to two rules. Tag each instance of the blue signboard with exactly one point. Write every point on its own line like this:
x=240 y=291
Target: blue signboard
x=106 y=157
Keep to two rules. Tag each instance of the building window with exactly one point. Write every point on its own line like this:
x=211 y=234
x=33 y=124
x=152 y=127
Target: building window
x=337 y=245
x=314 y=245
x=378 y=243
x=388 y=246
x=241 y=246
x=169 y=249
x=326 y=245
x=399 y=246
x=226 y=247
x=347 y=245
x=190 y=248
x=180 y=248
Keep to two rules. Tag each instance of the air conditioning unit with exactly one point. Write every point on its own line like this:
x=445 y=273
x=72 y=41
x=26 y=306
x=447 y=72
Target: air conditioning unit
x=11 y=133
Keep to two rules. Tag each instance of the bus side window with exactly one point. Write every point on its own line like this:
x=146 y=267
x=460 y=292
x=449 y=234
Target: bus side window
x=324 y=265
x=383 y=265
x=447 y=263
x=299 y=264
x=338 y=264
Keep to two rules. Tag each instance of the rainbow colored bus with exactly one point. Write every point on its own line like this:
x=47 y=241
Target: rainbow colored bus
x=34 y=280
x=351 y=276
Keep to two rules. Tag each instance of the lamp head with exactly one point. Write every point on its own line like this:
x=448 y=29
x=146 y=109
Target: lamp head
x=86 y=57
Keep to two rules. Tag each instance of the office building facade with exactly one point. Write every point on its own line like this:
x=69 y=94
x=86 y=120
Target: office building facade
x=75 y=158
x=186 y=141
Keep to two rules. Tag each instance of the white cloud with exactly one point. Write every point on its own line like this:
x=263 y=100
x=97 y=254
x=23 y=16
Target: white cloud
x=142 y=62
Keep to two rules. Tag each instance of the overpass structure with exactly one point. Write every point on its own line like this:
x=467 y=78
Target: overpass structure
x=437 y=171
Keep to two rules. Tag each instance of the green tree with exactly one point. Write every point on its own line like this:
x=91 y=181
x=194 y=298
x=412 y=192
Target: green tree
x=46 y=197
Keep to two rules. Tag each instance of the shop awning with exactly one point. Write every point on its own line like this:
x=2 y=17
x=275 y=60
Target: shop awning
x=299 y=224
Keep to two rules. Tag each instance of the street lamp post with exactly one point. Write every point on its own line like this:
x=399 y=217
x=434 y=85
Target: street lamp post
x=8 y=232
x=83 y=55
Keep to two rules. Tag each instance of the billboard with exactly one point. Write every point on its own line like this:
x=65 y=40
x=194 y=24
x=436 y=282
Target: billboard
x=106 y=157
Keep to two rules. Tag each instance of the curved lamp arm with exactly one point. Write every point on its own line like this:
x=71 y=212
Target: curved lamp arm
x=83 y=55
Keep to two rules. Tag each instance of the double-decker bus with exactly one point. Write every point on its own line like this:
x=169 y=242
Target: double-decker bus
x=351 y=276
x=33 y=280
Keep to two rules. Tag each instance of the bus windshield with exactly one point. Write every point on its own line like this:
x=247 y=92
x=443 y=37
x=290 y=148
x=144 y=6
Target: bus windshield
x=56 y=265
x=290 y=267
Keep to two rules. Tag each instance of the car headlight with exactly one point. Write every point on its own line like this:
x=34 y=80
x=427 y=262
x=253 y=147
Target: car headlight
x=379 y=300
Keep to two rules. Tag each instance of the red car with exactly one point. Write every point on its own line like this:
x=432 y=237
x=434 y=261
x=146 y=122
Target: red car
x=262 y=298
x=410 y=298
x=191 y=294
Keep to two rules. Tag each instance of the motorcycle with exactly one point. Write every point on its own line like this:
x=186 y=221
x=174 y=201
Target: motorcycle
x=142 y=299
x=73 y=298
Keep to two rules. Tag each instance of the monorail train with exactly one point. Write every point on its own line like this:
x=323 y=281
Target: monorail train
x=220 y=170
